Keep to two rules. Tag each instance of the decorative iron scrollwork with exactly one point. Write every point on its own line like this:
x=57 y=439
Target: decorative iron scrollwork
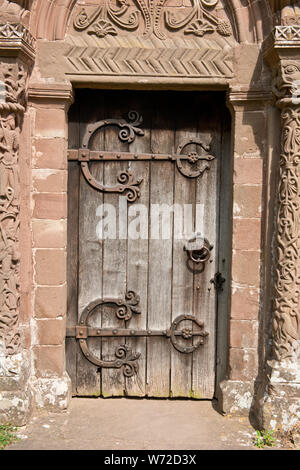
x=187 y=333
x=126 y=359
x=126 y=179
x=128 y=131
x=193 y=159
x=124 y=308
x=186 y=163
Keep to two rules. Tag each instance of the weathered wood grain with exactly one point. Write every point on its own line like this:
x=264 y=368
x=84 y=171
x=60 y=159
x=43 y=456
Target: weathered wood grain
x=90 y=260
x=156 y=269
x=182 y=291
x=203 y=372
x=137 y=257
x=114 y=264
x=160 y=261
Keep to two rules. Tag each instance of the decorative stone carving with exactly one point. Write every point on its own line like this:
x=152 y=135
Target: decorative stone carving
x=171 y=59
x=11 y=31
x=12 y=102
x=284 y=14
x=290 y=15
x=286 y=321
x=158 y=18
x=15 y=11
x=152 y=38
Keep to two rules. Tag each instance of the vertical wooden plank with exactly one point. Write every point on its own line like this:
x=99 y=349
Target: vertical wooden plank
x=183 y=279
x=225 y=244
x=72 y=269
x=90 y=258
x=114 y=261
x=72 y=245
x=160 y=257
x=137 y=254
x=204 y=293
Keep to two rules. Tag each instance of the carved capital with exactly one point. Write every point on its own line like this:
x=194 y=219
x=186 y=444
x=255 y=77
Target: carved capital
x=286 y=12
x=16 y=40
x=286 y=83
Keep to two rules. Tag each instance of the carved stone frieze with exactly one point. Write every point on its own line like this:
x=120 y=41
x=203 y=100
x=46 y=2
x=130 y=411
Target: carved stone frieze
x=149 y=57
x=157 y=17
x=160 y=38
x=12 y=107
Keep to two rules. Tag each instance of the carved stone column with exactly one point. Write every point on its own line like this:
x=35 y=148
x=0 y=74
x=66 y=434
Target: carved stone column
x=16 y=56
x=281 y=407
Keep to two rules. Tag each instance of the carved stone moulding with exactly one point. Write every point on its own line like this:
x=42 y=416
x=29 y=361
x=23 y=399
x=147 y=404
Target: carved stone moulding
x=283 y=57
x=16 y=55
x=149 y=57
x=12 y=78
x=149 y=18
x=15 y=39
x=147 y=38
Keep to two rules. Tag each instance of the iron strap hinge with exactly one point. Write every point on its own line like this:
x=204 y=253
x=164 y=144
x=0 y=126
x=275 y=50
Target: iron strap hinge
x=81 y=332
x=84 y=332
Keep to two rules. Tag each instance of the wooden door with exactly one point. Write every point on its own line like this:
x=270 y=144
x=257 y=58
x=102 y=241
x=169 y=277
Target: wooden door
x=143 y=182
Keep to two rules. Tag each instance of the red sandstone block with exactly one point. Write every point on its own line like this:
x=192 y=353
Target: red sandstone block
x=245 y=304
x=50 y=206
x=50 y=267
x=250 y=140
x=50 y=302
x=51 y=332
x=248 y=171
x=247 y=234
x=247 y=201
x=49 y=233
x=50 y=123
x=243 y=364
x=243 y=334
x=49 y=181
x=50 y=153
x=246 y=268
x=49 y=360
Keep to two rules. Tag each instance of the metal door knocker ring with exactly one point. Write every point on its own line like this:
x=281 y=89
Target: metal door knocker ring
x=198 y=250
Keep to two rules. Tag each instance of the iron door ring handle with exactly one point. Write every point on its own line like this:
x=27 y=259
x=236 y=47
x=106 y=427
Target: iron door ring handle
x=199 y=256
x=198 y=249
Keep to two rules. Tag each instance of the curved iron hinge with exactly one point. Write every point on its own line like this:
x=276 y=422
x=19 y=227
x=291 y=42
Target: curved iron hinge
x=128 y=131
x=126 y=359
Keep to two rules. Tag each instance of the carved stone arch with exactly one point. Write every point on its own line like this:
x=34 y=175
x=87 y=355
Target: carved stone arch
x=251 y=21
x=49 y=18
